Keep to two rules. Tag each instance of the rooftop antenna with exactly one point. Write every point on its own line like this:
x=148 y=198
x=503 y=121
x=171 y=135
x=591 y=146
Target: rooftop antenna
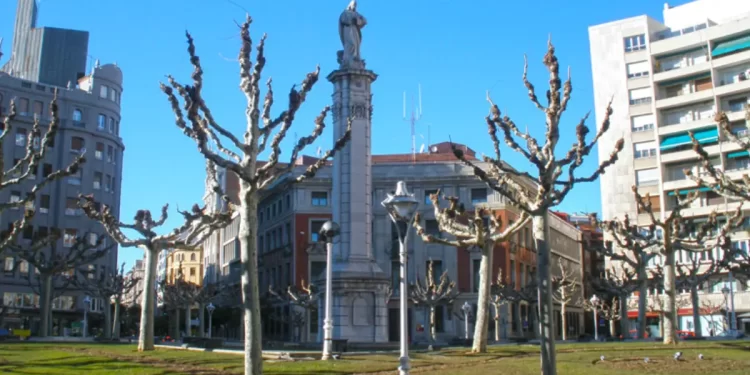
x=416 y=115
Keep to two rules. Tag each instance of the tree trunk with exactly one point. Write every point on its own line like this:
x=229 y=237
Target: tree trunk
x=45 y=304
x=250 y=292
x=146 y=337
x=624 y=331
x=107 y=318
x=613 y=328
x=483 y=299
x=563 y=318
x=642 y=301
x=497 y=323
x=201 y=320
x=546 y=312
x=433 y=329
x=116 y=320
x=670 y=313
x=177 y=332
x=696 y=311
x=188 y=321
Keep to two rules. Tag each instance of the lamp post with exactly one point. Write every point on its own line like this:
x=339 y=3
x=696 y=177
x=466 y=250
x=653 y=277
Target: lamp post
x=328 y=231
x=210 y=308
x=595 y=304
x=467 y=311
x=401 y=207
x=86 y=304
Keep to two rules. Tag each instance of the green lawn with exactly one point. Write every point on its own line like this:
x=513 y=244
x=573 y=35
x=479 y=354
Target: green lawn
x=725 y=358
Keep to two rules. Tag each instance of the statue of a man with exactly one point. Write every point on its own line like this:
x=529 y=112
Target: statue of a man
x=350 y=31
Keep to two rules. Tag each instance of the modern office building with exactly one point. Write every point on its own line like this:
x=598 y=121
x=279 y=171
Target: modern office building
x=665 y=79
x=89 y=111
x=291 y=214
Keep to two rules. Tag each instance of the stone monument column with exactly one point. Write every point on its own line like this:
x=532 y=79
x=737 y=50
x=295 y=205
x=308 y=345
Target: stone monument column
x=360 y=287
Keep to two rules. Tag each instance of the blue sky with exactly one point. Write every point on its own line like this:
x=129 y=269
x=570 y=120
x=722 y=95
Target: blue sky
x=456 y=49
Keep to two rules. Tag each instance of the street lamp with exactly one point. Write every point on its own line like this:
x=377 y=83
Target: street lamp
x=401 y=207
x=467 y=311
x=328 y=231
x=595 y=304
x=210 y=308
x=86 y=304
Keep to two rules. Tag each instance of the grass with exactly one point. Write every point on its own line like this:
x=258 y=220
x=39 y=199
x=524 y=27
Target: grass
x=721 y=358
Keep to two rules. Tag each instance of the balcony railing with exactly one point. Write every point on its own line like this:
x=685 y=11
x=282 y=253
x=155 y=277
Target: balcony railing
x=640 y=101
x=669 y=33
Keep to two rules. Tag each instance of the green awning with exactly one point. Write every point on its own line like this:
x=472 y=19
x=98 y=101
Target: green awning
x=703 y=136
x=737 y=154
x=729 y=46
x=685 y=79
x=687 y=191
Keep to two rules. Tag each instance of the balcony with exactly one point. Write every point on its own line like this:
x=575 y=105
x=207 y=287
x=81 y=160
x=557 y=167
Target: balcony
x=730 y=46
x=733 y=88
x=640 y=101
x=684 y=98
x=679 y=141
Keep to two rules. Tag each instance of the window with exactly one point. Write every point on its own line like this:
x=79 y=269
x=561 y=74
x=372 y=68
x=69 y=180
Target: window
x=315 y=227
x=97 y=180
x=647 y=177
x=36 y=142
x=737 y=105
x=395 y=276
x=273 y=210
x=110 y=154
x=478 y=195
x=77 y=115
x=91 y=273
x=475 y=270
x=112 y=126
x=642 y=123
x=15 y=196
x=638 y=69
x=101 y=122
x=703 y=84
x=38 y=108
x=427 y=194
x=44 y=204
x=99 y=152
x=640 y=96
x=644 y=149
x=71 y=207
x=69 y=237
x=635 y=43
x=512 y=271
x=288 y=229
x=107 y=182
x=23 y=107
x=319 y=198
x=103 y=91
x=437 y=270
x=288 y=201
x=46 y=170
x=431 y=227
x=75 y=178
x=439 y=317
x=112 y=95
x=9 y=265
x=24 y=267
x=21 y=137
x=192 y=257
x=77 y=144
x=192 y=271
x=93 y=239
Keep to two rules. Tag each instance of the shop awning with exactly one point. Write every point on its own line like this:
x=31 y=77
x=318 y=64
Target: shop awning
x=729 y=46
x=703 y=136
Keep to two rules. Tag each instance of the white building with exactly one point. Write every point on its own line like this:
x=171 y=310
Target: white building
x=666 y=79
x=132 y=297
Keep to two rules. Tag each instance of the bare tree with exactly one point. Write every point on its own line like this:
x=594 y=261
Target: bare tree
x=471 y=231
x=609 y=311
x=555 y=178
x=19 y=174
x=175 y=295
x=198 y=225
x=108 y=286
x=498 y=298
x=621 y=284
x=661 y=305
x=306 y=297
x=711 y=308
x=634 y=246
x=508 y=291
x=198 y=123
x=673 y=234
x=566 y=288
x=433 y=293
x=49 y=259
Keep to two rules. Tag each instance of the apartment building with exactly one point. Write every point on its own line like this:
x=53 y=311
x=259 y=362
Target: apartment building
x=138 y=272
x=89 y=108
x=665 y=79
x=291 y=215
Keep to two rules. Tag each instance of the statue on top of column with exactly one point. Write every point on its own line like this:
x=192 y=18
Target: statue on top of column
x=350 y=31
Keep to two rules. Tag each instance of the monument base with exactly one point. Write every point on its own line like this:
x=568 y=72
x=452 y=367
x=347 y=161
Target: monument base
x=360 y=301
